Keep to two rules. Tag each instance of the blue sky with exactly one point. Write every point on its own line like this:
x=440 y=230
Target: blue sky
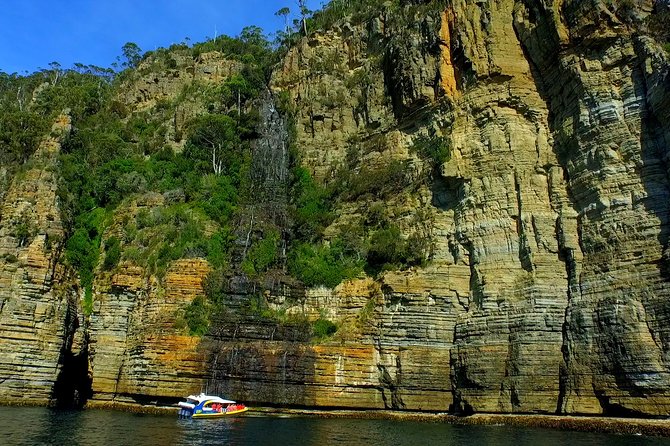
x=34 y=33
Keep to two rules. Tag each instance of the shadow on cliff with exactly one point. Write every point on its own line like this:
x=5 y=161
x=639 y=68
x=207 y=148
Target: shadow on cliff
x=654 y=173
x=611 y=351
x=73 y=384
x=260 y=362
x=255 y=356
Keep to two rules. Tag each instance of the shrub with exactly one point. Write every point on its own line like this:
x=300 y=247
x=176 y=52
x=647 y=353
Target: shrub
x=376 y=217
x=112 y=254
x=323 y=265
x=435 y=149
x=83 y=247
x=23 y=232
x=323 y=328
x=218 y=248
x=379 y=182
x=88 y=300
x=214 y=286
x=197 y=316
x=262 y=254
x=10 y=258
x=366 y=313
x=219 y=197
x=20 y=134
x=312 y=207
x=388 y=249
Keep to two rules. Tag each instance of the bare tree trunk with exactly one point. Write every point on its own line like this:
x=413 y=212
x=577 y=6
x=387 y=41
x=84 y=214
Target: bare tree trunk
x=18 y=98
x=217 y=165
x=246 y=243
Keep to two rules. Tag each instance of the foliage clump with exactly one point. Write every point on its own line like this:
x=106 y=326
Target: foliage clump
x=369 y=245
x=113 y=156
x=200 y=196
x=323 y=329
x=323 y=264
x=197 y=316
x=435 y=149
x=658 y=23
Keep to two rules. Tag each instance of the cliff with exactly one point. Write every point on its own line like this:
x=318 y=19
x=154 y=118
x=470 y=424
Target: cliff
x=137 y=355
x=37 y=308
x=520 y=145
x=546 y=281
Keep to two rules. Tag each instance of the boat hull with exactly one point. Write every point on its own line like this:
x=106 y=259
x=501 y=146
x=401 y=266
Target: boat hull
x=219 y=414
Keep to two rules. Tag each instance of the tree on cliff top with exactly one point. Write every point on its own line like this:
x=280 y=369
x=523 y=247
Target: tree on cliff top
x=304 y=14
x=284 y=12
x=133 y=55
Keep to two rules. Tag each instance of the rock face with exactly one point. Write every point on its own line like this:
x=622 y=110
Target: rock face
x=137 y=353
x=371 y=363
x=547 y=285
x=151 y=92
x=611 y=139
x=548 y=280
x=164 y=76
x=37 y=311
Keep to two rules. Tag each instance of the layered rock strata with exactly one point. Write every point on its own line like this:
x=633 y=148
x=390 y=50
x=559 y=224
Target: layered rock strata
x=138 y=353
x=546 y=288
x=549 y=218
x=604 y=93
x=37 y=311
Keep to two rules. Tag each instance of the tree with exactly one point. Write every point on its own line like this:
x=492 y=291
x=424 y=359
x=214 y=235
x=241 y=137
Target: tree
x=20 y=134
x=56 y=72
x=253 y=35
x=304 y=13
x=216 y=134
x=284 y=12
x=237 y=84
x=133 y=55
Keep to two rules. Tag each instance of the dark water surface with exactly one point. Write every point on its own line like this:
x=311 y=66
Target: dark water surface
x=39 y=426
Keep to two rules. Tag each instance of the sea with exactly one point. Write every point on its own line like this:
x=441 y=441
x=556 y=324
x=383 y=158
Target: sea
x=42 y=426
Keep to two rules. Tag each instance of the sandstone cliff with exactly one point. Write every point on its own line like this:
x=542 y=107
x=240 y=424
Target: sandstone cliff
x=137 y=355
x=38 y=312
x=545 y=285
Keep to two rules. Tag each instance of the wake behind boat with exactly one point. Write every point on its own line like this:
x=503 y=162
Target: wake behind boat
x=207 y=406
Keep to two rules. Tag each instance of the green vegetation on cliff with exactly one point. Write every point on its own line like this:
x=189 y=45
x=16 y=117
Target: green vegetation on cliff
x=114 y=155
x=127 y=195
x=659 y=23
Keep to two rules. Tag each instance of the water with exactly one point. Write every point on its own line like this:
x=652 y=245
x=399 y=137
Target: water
x=39 y=426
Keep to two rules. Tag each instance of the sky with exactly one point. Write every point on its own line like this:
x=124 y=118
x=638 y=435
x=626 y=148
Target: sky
x=34 y=33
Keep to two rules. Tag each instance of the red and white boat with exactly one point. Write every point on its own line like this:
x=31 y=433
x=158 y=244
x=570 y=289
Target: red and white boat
x=208 y=406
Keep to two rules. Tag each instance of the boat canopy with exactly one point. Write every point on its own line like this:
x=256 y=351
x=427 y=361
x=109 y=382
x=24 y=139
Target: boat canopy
x=214 y=399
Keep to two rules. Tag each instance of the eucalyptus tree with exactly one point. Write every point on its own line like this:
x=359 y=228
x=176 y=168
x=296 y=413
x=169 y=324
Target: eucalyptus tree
x=304 y=13
x=284 y=12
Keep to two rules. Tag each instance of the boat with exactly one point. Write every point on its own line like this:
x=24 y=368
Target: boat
x=208 y=406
